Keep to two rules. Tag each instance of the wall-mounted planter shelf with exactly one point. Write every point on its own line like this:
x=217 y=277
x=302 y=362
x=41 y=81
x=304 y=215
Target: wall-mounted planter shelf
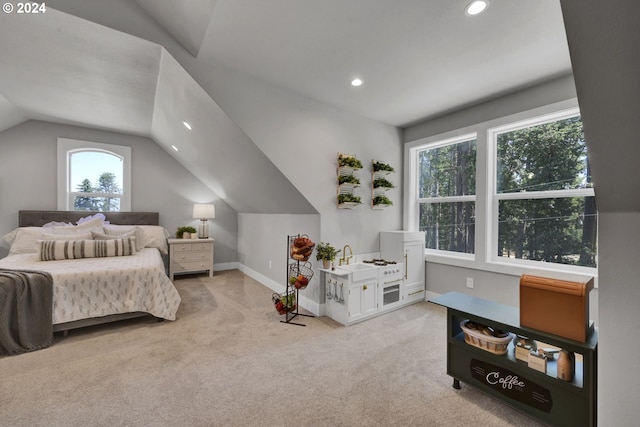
x=348 y=182
x=380 y=185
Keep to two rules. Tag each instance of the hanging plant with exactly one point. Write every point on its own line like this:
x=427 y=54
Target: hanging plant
x=382 y=183
x=382 y=200
x=348 y=179
x=348 y=198
x=381 y=166
x=349 y=161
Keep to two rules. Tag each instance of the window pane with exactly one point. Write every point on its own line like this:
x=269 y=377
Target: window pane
x=96 y=171
x=449 y=226
x=551 y=156
x=96 y=204
x=559 y=230
x=448 y=171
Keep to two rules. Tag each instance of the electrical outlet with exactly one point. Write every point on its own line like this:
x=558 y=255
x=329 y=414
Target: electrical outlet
x=470 y=282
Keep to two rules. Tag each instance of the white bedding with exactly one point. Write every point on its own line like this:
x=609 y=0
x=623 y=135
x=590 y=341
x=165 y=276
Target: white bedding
x=95 y=287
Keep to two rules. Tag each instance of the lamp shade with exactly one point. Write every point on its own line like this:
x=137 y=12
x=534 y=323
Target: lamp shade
x=203 y=211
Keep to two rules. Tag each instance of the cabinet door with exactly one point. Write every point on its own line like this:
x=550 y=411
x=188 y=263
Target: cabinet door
x=362 y=300
x=414 y=264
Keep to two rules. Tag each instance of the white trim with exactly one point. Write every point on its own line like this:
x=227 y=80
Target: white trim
x=484 y=193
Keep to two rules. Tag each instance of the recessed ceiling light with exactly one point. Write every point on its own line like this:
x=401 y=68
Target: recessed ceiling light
x=356 y=82
x=187 y=125
x=174 y=148
x=476 y=7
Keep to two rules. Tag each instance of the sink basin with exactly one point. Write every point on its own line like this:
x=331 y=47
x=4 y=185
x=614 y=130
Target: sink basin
x=360 y=271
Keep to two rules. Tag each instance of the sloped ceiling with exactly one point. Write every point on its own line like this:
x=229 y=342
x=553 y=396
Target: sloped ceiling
x=64 y=69
x=419 y=59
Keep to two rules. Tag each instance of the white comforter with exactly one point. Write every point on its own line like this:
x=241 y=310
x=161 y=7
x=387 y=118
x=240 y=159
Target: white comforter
x=95 y=287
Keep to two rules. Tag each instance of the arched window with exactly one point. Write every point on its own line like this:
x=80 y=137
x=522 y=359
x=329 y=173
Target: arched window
x=93 y=176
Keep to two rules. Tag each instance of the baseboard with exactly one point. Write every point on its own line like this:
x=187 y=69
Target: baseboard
x=429 y=295
x=304 y=302
x=226 y=266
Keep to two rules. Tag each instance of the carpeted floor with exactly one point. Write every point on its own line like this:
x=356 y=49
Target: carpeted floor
x=229 y=361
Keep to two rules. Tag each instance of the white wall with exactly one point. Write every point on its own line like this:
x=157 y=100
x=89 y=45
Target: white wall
x=159 y=183
x=263 y=250
x=302 y=138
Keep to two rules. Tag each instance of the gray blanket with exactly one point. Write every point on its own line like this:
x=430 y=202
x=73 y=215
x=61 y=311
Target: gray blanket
x=26 y=304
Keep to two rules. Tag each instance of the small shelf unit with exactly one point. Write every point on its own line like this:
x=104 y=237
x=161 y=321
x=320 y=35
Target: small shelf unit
x=379 y=173
x=539 y=394
x=347 y=181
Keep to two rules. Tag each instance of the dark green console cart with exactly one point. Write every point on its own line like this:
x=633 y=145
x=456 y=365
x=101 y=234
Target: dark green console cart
x=539 y=394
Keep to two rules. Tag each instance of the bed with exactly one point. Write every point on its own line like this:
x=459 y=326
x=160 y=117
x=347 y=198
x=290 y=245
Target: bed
x=98 y=289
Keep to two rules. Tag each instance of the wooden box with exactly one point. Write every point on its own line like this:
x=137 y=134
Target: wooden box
x=557 y=304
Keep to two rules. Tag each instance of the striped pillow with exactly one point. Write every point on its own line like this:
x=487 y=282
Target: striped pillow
x=50 y=250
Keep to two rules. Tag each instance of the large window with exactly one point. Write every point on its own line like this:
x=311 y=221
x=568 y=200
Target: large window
x=93 y=176
x=446 y=194
x=543 y=194
x=508 y=195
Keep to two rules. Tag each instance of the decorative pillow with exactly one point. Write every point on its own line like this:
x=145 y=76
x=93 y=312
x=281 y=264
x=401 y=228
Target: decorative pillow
x=57 y=224
x=23 y=240
x=124 y=231
x=156 y=237
x=74 y=236
x=98 y=215
x=50 y=250
x=86 y=227
x=102 y=236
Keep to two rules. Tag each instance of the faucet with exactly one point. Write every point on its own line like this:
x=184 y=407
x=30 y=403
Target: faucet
x=344 y=255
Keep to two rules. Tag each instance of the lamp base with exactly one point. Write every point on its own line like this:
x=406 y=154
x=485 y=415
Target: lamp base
x=203 y=232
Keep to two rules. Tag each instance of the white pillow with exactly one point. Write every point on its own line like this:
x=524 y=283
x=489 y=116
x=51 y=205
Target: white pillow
x=156 y=237
x=74 y=236
x=124 y=235
x=86 y=227
x=23 y=240
x=124 y=230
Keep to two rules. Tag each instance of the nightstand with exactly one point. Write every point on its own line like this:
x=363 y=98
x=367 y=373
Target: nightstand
x=190 y=256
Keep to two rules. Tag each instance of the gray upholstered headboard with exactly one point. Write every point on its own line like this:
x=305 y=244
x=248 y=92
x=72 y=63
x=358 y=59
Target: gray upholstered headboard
x=39 y=218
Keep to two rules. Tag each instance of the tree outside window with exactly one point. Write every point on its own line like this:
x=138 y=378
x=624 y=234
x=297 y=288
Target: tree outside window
x=446 y=195
x=544 y=192
x=104 y=194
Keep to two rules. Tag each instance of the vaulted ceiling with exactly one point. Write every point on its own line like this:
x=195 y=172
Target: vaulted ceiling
x=418 y=59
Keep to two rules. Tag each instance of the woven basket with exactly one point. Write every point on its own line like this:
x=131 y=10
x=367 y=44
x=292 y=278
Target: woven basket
x=488 y=343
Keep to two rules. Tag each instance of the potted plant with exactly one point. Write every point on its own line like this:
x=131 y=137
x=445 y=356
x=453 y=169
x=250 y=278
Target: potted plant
x=326 y=253
x=185 y=232
x=382 y=200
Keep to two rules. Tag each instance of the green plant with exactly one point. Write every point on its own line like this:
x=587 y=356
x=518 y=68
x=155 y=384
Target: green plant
x=382 y=182
x=348 y=198
x=380 y=166
x=348 y=179
x=350 y=161
x=381 y=200
x=326 y=252
x=181 y=230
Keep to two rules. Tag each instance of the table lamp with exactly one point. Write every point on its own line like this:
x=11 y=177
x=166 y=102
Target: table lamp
x=204 y=212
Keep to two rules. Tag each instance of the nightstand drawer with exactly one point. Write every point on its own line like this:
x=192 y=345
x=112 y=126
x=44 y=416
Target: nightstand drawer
x=192 y=256
x=191 y=246
x=192 y=266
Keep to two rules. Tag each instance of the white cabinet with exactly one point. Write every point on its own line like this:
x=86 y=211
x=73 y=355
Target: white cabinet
x=407 y=247
x=414 y=278
x=362 y=300
x=347 y=302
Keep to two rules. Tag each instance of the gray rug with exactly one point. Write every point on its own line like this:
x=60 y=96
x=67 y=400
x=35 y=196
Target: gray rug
x=228 y=361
